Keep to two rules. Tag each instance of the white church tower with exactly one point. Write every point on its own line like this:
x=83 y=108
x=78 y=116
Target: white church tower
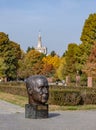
x=39 y=47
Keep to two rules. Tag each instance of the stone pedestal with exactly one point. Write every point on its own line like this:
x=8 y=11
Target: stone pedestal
x=89 y=82
x=77 y=80
x=35 y=111
x=67 y=80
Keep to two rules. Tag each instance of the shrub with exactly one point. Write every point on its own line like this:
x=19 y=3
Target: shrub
x=64 y=97
x=89 y=98
x=58 y=95
x=14 y=90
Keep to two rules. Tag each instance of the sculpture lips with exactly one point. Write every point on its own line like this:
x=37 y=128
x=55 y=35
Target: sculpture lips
x=44 y=98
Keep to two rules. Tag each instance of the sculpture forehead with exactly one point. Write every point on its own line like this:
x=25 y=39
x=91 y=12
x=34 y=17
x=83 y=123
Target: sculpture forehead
x=40 y=80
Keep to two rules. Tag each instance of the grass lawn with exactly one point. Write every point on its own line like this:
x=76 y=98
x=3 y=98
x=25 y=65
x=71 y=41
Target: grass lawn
x=21 y=101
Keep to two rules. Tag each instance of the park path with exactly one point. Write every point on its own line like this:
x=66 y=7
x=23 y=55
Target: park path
x=8 y=108
x=12 y=117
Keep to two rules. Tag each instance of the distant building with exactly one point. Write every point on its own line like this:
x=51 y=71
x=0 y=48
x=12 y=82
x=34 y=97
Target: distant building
x=39 y=47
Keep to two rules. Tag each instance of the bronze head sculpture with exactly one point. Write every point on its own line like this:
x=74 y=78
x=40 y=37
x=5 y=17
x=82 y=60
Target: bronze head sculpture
x=37 y=89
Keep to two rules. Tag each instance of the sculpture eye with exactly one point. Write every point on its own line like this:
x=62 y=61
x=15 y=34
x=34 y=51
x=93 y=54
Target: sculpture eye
x=39 y=88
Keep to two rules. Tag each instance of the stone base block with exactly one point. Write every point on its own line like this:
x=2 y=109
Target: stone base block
x=35 y=111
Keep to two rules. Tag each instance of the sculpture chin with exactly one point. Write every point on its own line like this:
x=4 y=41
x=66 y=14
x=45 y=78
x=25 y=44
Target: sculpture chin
x=44 y=101
x=41 y=100
x=44 y=98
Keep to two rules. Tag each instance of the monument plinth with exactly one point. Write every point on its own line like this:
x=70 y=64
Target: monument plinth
x=35 y=111
x=38 y=94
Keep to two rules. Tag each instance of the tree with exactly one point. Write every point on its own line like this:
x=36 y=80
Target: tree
x=53 y=53
x=51 y=63
x=54 y=60
x=30 y=48
x=88 y=35
x=88 y=38
x=11 y=57
x=90 y=66
x=48 y=70
x=61 y=69
x=70 y=59
x=3 y=68
x=11 y=53
x=31 y=64
x=4 y=41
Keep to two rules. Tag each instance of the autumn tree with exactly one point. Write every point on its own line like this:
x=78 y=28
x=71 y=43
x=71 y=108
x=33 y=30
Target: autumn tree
x=70 y=59
x=31 y=64
x=90 y=65
x=61 y=69
x=88 y=35
x=88 y=38
x=11 y=53
x=51 y=63
x=3 y=68
x=54 y=60
x=4 y=41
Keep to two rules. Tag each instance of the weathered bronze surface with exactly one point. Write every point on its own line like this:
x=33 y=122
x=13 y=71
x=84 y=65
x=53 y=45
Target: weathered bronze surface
x=37 y=89
x=38 y=94
x=34 y=111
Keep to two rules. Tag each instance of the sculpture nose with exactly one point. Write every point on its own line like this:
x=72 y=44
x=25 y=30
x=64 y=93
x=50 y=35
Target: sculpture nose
x=45 y=90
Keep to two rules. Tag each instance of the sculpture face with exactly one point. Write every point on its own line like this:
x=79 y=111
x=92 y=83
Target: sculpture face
x=38 y=89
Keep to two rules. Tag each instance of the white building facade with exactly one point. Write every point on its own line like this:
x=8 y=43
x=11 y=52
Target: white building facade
x=39 y=47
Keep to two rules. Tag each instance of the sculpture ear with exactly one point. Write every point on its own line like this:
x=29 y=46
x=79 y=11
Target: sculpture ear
x=30 y=90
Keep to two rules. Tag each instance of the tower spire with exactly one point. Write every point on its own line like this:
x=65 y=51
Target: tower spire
x=39 y=47
x=39 y=41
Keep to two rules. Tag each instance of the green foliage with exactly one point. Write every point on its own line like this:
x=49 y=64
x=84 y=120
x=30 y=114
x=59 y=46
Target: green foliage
x=31 y=64
x=72 y=96
x=57 y=95
x=61 y=69
x=11 y=53
x=79 y=58
x=4 y=41
x=89 y=30
x=53 y=53
x=3 y=67
x=76 y=56
x=15 y=90
x=30 y=48
x=89 y=98
x=65 y=97
x=88 y=38
x=90 y=67
x=70 y=59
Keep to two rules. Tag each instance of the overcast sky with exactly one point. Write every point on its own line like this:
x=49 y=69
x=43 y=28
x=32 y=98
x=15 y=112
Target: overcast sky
x=60 y=22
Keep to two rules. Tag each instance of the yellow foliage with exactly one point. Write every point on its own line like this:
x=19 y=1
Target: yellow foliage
x=60 y=70
x=54 y=60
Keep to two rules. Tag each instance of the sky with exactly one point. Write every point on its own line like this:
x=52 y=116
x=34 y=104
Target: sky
x=60 y=22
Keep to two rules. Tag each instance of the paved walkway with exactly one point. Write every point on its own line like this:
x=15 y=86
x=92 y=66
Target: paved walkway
x=12 y=117
x=8 y=108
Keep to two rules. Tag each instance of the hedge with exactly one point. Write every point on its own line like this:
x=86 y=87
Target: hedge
x=65 y=97
x=14 y=90
x=57 y=95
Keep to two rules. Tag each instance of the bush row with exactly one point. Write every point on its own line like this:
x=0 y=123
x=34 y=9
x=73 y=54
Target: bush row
x=64 y=97
x=71 y=97
x=14 y=90
x=58 y=96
